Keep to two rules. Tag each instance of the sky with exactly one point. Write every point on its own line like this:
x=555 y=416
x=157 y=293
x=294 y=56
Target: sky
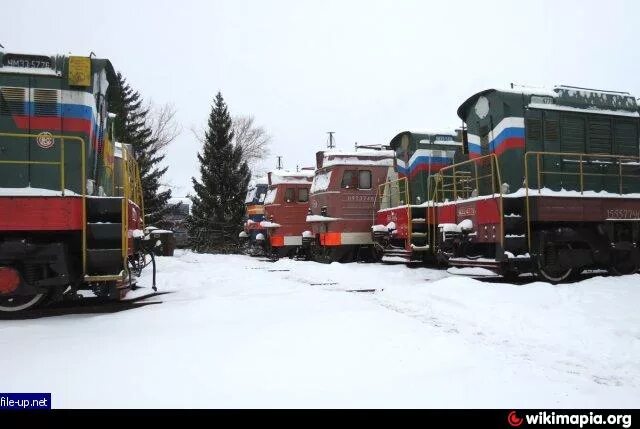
x=364 y=69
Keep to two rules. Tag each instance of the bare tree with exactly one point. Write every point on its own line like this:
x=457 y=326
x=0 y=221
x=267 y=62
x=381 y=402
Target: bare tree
x=163 y=123
x=253 y=139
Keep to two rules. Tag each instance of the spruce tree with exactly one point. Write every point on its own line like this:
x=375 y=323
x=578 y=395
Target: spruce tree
x=218 y=203
x=130 y=126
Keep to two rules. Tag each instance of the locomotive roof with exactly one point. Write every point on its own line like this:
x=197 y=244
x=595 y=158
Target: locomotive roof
x=425 y=137
x=563 y=97
x=332 y=157
x=277 y=177
x=58 y=64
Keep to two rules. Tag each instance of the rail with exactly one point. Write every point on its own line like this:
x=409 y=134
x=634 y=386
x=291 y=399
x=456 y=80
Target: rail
x=394 y=193
x=61 y=165
x=618 y=166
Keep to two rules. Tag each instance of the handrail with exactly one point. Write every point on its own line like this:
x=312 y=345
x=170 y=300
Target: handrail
x=464 y=177
x=132 y=191
x=401 y=191
x=540 y=173
x=61 y=163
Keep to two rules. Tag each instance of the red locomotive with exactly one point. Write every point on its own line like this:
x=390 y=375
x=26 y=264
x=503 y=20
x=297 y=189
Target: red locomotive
x=343 y=203
x=286 y=205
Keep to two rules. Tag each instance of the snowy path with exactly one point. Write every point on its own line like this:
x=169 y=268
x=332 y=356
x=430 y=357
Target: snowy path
x=238 y=332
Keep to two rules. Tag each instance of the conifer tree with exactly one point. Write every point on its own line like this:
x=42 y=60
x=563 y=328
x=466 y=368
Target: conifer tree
x=131 y=127
x=218 y=203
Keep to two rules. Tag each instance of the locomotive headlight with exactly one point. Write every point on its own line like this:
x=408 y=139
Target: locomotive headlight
x=323 y=211
x=309 y=212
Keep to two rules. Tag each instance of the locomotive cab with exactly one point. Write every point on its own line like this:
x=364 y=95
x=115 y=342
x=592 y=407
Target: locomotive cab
x=406 y=215
x=286 y=207
x=343 y=203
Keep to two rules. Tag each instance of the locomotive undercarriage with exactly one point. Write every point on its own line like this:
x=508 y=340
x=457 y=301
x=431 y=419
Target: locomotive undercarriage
x=313 y=250
x=558 y=250
x=37 y=267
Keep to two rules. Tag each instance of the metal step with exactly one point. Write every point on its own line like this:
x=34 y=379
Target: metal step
x=104 y=209
x=480 y=262
x=516 y=244
x=104 y=235
x=102 y=262
x=514 y=224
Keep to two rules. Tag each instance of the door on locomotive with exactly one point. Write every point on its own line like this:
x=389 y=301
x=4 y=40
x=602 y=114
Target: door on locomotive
x=404 y=227
x=286 y=207
x=561 y=183
x=343 y=203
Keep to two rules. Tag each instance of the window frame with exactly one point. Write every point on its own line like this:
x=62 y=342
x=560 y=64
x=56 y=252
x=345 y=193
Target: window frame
x=293 y=195
x=370 y=179
x=300 y=190
x=351 y=185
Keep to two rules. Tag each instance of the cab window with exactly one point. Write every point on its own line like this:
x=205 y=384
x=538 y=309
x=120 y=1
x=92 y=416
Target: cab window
x=364 y=179
x=290 y=195
x=303 y=195
x=349 y=179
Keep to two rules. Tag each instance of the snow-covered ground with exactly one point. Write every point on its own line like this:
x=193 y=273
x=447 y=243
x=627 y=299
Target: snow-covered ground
x=239 y=332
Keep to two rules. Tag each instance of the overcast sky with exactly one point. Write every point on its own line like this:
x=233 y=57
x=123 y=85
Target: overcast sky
x=364 y=69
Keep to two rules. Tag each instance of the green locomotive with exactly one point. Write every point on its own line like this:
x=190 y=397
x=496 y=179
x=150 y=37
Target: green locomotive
x=71 y=210
x=552 y=185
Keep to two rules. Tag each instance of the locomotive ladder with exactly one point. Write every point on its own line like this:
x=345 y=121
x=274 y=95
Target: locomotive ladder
x=107 y=225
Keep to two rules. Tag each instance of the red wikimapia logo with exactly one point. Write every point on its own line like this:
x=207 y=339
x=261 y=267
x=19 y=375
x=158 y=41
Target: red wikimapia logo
x=514 y=420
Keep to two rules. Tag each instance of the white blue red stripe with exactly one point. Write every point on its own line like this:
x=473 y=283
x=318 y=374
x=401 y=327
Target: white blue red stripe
x=508 y=134
x=425 y=160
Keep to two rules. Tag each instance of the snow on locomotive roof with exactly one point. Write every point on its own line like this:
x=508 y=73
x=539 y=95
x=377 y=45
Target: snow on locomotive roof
x=526 y=90
x=451 y=132
x=361 y=157
x=34 y=192
x=569 y=98
x=584 y=110
x=293 y=177
x=32 y=70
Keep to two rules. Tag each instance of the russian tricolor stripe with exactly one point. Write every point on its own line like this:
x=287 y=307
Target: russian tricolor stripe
x=508 y=134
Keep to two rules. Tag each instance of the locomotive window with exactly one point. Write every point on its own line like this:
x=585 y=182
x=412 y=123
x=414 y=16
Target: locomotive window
x=364 y=179
x=349 y=179
x=290 y=195
x=303 y=195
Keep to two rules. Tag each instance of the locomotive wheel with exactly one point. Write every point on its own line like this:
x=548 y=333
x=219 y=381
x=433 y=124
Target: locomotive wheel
x=550 y=269
x=622 y=263
x=20 y=302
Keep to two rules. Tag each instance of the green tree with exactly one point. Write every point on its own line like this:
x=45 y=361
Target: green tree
x=218 y=203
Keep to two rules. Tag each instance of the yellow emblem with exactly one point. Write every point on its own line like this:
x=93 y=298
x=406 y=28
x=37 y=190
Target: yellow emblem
x=79 y=71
